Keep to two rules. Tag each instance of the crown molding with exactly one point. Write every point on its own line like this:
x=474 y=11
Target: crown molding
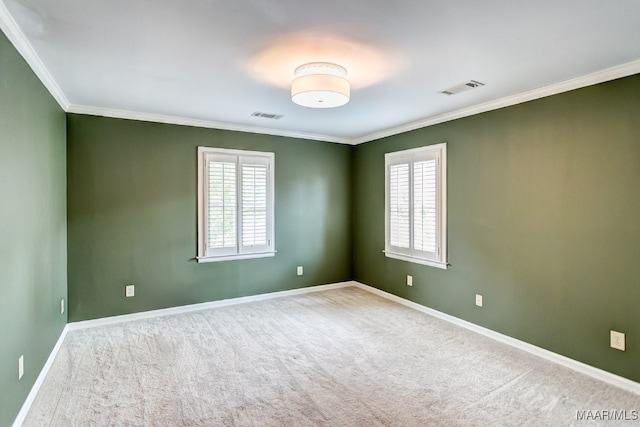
x=174 y=120
x=22 y=45
x=602 y=76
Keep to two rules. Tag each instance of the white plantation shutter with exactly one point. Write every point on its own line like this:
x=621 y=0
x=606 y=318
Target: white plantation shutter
x=235 y=200
x=425 y=219
x=399 y=206
x=221 y=220
x=415 y=199
x=254 y=203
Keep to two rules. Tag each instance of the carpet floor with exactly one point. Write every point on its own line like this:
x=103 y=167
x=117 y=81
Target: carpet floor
x=342 y=357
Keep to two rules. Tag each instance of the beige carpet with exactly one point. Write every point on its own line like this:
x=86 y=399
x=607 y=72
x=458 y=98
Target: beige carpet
x=341 y=357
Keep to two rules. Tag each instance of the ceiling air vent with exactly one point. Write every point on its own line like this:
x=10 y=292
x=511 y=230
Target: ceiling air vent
x=267 y=115
x=462 y=87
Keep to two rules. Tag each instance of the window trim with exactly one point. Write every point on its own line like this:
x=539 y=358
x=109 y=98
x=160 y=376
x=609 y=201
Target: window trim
x=413 y=155
x=240 y=252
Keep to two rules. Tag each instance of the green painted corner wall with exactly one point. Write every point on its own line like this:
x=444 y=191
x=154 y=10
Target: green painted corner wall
x=544 y=208
x=33 y=236
x=543 y=218
x=132 y=217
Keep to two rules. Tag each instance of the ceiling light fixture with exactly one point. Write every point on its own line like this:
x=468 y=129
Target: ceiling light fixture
x=320 y=85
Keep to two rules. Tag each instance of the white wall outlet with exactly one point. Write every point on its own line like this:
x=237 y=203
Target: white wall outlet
x=409 y=280
x=299 y=270
x=129 y=291
x=20 y=366
x=479 y=300
x=617 y=340
x=62 y=306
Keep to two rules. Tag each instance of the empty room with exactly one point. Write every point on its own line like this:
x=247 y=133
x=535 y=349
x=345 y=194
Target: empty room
x=295 y=213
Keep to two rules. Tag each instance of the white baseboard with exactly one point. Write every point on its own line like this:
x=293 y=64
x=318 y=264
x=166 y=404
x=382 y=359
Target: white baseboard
x=41 y=376
x=201 y=306
x=604 y=376
x=151 y=314
x=591 y=371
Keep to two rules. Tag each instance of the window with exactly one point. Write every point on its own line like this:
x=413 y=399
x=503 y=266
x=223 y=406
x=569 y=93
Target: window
x=235 y=204
x=415 y=205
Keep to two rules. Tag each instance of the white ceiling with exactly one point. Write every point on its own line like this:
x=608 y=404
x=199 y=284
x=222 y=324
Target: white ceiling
x=212 y=62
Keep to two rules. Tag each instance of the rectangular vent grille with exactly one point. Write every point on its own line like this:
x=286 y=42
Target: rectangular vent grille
x=462 y=87
x=267 y=115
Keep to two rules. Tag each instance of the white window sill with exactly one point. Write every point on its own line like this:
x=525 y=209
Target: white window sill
x=235 y=257
x=404 y=257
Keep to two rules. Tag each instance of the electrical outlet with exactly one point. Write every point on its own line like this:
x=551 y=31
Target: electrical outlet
x=409 y=280
x=129 y=291
x=479 y=300
x=62 y=306
x=299 y=270
x=617 y=340
x=20 y=366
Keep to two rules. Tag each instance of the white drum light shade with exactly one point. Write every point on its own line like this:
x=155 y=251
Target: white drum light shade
x=320 y=85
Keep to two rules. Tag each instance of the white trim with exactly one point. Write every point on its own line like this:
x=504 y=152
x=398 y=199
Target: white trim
x=202 y=306
x=602 y=76
x=416 y=260
x=591 y=371
x=184 y=121
x=438 y=153
x=232 y=151
x=583 y=368
x=235 y=257
x=597 y=77
x=207 y=155
x=22 y=45
x=73 y=326
x=38 y=383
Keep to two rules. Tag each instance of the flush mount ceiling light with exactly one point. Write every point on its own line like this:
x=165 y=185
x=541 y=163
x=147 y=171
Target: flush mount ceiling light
x=320 y=85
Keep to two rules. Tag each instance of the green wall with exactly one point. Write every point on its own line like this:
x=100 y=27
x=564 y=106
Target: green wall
x=33 y=256
x=544 y=222
x=132 y=217
x=544 y=208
